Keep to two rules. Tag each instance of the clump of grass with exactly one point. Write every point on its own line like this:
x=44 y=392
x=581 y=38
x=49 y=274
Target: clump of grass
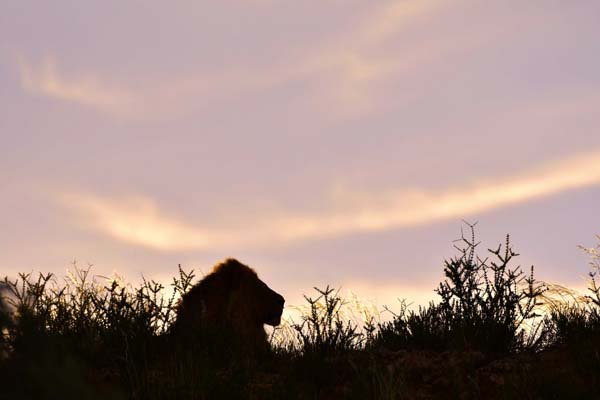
x=593 y=288
x=94 y=322
x=415 y=330
x=575 y=324
x=323 y=330
x=318 y=318
x=575 y=318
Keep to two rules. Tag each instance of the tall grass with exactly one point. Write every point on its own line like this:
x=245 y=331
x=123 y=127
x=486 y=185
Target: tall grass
x=92 y=337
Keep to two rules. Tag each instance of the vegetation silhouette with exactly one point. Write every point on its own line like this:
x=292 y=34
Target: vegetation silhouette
x=494 y=333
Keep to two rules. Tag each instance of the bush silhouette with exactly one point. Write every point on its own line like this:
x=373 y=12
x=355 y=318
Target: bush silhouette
x=483 y=306
x=89 y=337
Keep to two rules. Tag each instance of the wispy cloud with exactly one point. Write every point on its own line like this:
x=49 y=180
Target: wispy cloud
x=343 y=65
x=140 y=221
x=348 y=67
x=392 y=17
x=45 y=80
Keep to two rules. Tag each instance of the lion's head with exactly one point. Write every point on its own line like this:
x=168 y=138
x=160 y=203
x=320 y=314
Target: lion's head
x=231 y=298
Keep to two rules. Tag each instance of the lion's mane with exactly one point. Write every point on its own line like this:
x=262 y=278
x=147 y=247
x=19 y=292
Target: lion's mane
x=231 y=300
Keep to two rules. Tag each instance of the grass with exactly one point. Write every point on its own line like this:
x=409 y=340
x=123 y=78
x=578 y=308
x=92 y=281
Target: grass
x=495 y=332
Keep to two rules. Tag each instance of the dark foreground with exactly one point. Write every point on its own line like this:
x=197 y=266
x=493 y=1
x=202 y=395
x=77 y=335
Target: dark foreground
x=561 y=373
x=495 y=333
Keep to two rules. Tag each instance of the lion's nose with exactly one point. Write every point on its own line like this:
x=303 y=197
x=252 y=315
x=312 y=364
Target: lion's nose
x=280 y=300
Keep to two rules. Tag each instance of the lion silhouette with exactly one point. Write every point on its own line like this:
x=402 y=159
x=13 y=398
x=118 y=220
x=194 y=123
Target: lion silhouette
x=230 y=306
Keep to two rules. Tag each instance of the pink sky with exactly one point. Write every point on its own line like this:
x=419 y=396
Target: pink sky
x=333 y=141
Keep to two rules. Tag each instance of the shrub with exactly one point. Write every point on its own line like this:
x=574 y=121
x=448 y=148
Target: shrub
x=322 y=330
x=483 y=306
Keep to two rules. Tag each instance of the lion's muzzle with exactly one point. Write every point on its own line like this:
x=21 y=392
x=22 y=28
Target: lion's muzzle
x=274 y=318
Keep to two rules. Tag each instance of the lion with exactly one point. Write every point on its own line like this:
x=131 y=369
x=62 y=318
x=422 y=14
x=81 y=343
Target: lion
x=231 y=305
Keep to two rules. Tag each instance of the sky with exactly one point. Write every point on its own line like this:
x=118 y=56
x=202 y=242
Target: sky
x=320 y=142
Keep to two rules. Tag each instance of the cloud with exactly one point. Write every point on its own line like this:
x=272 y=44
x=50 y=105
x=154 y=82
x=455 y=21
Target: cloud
x=139 y=221
x=391 y=18
x=343 y=66
x=45 y=80
x=348 y=67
